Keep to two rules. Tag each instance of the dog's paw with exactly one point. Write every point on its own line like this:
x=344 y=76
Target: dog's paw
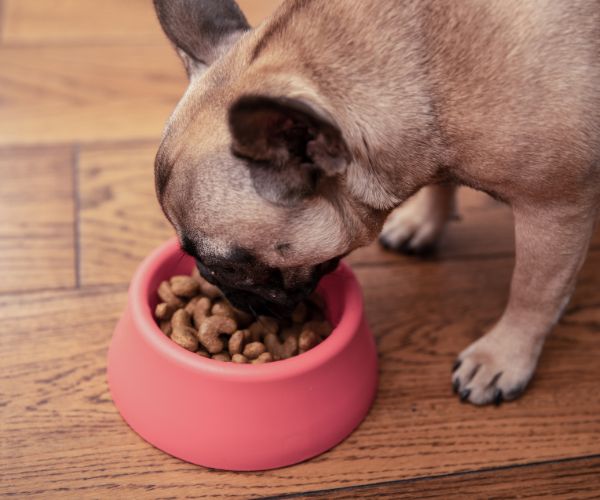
x=417 y=225
x=494 y=369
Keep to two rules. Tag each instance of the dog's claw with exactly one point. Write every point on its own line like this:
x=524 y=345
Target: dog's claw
x=456 y=386
x=498 y=398
x=464 y=395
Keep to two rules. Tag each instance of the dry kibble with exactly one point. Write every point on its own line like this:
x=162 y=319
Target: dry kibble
x=255 y=332
x=239 y=358
x=307 y=340
x=299 y=314
x=185 y=337
x=291 y=331
x=281 y=350
x=195 y=315
x=321 y=328
x=189 y=307
x=201 y=311
x=167 y=295
x=211 y=291
x=236 y=342
x=222 y=308
x=184 y=286
x=222 y=356
x=164 y=311
x=165 y=327
x=181 y=318
x=211 y=328
x=254 y=349
x=269 y=325
x=265 y=357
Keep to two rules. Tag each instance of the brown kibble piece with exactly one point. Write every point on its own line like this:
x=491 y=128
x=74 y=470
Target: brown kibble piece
x=222 y=356
x=201 y=311
x=265 y=357
x=321 y=328
x=300 y=313
x=307 y=340
x=254 y=349
x=203 y=353
x=269 y=325
x=281 y=350
x=236 y=342
x=223 y=308
x=189 y=307
x=291 y=331
x=167 y=295
x=211 y=291
x=211 y=328
x=165 y=327
x=184 y=286
x=255 y=332
x=164 y=311
x=181 y=318
x=185 y=337
x=239 y=358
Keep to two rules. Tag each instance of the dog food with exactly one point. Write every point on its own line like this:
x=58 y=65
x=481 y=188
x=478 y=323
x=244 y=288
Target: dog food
x=194 y=315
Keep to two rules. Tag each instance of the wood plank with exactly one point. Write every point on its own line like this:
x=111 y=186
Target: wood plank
x=36 y=219
x=89 y=21
x=62 y=436
x=79 y=21
x=87 y=94
x=121 y=220
x=570 y=479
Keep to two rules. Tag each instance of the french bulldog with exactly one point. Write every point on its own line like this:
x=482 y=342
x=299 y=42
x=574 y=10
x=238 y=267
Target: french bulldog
x=334 y=120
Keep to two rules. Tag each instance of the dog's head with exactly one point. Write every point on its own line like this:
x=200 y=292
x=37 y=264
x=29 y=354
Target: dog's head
x=253 y=181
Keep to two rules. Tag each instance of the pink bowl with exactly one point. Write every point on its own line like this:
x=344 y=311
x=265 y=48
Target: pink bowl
x=240 y=417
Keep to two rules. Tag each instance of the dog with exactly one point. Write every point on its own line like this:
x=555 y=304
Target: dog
x=334 y=120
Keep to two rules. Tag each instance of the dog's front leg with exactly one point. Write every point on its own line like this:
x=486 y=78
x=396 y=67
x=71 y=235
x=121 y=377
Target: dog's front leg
x=551 y=244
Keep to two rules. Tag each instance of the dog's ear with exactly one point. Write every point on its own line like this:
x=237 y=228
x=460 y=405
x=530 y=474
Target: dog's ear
x=291 y=144
x=201 y=30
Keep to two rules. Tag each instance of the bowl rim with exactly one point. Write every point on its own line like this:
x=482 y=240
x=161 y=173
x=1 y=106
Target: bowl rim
x=348 y=326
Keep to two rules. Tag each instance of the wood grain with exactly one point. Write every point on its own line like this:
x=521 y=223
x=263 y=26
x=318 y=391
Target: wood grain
x=566 y=479
x=87 y=94
x=85 y=89
x=78 y=21
x=37 y=221
x=62 y=436
x=52 y=22
x=121 y=220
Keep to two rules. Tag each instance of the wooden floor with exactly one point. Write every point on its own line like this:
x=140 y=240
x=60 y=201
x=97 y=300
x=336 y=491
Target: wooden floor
x=85 y=87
